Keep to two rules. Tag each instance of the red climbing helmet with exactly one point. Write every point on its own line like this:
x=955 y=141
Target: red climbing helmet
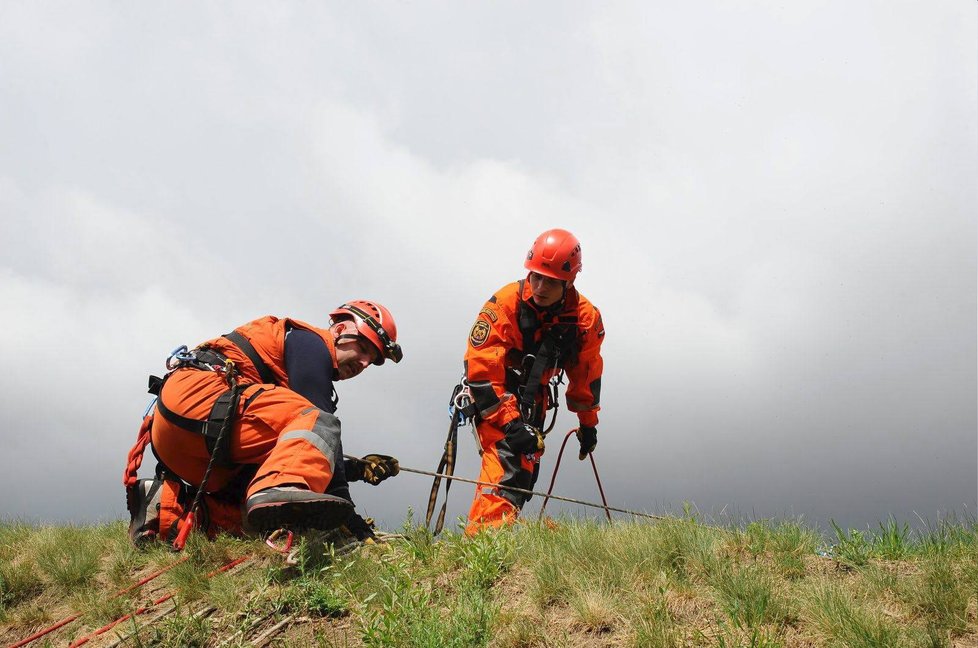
x=375 y=323
x=556 y=253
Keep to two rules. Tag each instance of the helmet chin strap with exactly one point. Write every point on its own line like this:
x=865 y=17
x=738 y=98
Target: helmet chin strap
x=343 y=334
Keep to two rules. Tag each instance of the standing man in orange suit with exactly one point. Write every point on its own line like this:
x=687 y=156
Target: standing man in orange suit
x=527 y=333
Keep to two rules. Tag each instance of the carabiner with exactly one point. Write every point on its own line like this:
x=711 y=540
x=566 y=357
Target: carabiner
x=179 y=357
x=275 y=535
x=463 y=398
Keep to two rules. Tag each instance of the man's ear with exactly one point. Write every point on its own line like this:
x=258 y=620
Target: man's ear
x=341 y=327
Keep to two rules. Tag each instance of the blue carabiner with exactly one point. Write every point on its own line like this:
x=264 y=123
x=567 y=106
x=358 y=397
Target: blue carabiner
x=178 y=357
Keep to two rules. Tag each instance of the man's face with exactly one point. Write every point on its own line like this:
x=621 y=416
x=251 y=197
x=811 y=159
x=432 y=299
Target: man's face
x=352 y=356
x=547 y=291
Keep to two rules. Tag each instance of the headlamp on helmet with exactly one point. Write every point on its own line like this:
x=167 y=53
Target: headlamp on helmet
x=376 y=324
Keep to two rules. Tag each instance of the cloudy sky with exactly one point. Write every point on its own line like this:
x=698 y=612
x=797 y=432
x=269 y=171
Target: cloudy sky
x=777 y=205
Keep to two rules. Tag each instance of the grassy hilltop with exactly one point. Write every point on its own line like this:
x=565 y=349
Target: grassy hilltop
x=671 y=583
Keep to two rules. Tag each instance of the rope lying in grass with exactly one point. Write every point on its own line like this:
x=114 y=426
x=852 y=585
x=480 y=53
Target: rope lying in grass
x=106 y=628
x=530 y=492
x=67 y=620
x=149 y=622
x=162 y=599
x=200 y=614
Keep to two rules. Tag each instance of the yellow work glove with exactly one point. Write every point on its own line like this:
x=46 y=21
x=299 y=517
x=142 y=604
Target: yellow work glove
x=378 y=467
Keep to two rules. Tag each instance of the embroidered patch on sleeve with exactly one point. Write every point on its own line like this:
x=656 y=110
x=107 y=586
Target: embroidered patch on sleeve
x=479 y=333
x=491 y=314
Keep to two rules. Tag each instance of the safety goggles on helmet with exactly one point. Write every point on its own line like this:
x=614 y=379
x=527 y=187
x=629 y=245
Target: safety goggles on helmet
x=388 y=347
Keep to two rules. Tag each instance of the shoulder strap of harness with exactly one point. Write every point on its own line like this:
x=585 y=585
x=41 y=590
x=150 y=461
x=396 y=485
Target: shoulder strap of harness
x=246 y=347
x=527 y=320
x=556 y=349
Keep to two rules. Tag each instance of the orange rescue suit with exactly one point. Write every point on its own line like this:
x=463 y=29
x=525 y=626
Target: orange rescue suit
x=277 y=433
x=508 y=330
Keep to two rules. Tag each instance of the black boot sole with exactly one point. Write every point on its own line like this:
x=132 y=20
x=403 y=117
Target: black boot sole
x=325 y=514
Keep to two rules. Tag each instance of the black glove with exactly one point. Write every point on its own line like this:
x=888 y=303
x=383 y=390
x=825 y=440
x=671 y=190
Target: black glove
x=372 y=468
x=361 y=528
x=522 y=437
x=588 y=436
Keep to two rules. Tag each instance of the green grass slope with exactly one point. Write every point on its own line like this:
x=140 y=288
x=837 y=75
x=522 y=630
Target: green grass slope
x=672 y=583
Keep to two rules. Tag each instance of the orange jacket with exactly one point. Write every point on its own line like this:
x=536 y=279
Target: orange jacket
x=497 y=343
x=267 y=335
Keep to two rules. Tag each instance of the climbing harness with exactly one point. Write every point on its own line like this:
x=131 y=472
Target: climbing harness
x=556 y=349
x=216 y=430
x=228 y=401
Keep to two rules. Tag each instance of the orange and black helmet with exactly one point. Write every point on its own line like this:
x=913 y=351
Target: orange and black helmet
x=556 y=253
x=376 y=324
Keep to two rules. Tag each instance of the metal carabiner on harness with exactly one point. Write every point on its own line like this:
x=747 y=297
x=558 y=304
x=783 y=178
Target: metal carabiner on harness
x=554 y=400
x=461 y=403
x=179 y=357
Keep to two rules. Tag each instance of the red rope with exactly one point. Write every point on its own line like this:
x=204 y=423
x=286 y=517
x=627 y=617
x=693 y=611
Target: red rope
x=162 y=599
x=38 y=635
x=66 y=621
x=604 y=501
x=553 y=478
x=135 y=458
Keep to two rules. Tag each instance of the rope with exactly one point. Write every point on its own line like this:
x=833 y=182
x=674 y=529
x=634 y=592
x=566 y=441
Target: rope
x=529 y=492
x=553 y=478
x=162 y=599
x=230 y=374
x=67 y=620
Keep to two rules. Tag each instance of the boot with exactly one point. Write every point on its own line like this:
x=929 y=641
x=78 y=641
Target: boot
x=290 y=507
x=143 y=502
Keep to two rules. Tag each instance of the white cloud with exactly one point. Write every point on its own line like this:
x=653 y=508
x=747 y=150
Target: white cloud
x=776 y=206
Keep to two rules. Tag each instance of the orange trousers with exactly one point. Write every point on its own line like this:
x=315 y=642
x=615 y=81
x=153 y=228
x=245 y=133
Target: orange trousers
x=290 y=440
x=492 y=506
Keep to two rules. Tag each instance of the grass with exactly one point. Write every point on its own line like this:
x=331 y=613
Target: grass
x=761 y=584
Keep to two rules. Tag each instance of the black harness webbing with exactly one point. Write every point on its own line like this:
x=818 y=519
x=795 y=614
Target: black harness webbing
x=555 y=350
x=246 y=347
x=191 y=425
x=225 y=408
x=543 y=358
